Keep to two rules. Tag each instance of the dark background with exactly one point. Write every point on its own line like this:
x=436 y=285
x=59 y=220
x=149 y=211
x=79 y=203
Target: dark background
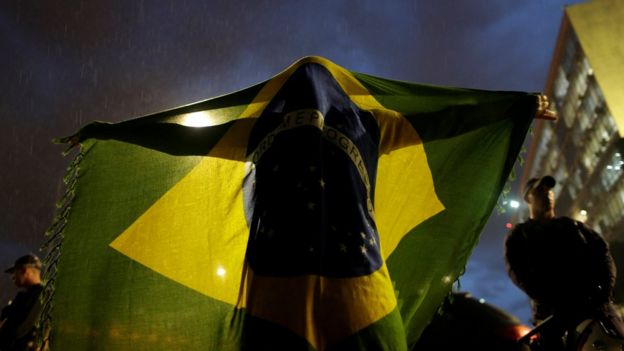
x=65 y=63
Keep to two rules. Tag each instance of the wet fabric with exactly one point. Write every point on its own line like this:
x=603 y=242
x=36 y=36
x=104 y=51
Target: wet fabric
x=322 y=209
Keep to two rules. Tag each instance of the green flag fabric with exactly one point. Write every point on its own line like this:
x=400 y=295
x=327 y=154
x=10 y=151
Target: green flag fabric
x=322 y=209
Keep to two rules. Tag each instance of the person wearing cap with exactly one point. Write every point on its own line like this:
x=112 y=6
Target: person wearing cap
x=562 y=265
x=18 y=320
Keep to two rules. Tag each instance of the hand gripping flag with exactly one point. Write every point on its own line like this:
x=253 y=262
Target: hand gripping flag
x=322 y=209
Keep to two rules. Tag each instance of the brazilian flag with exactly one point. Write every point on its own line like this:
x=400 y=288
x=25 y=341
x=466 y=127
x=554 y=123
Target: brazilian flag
x=322 y=209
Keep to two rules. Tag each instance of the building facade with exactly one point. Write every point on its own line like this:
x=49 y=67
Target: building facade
x=584 y=148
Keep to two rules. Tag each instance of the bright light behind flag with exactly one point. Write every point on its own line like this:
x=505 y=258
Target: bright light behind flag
x=198 y=119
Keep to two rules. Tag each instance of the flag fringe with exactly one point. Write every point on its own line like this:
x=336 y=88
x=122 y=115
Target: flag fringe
x=53 y=243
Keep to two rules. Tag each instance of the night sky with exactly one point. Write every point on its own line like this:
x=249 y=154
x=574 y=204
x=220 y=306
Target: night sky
x=65 y=63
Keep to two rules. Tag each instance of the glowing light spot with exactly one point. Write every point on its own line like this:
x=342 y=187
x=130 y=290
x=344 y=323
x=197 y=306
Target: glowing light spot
x=221 y=272
x=583 y=213
x=508 y=225
x=481 y=300
x=197 y=119
x=447 y=279
x=514 y=204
